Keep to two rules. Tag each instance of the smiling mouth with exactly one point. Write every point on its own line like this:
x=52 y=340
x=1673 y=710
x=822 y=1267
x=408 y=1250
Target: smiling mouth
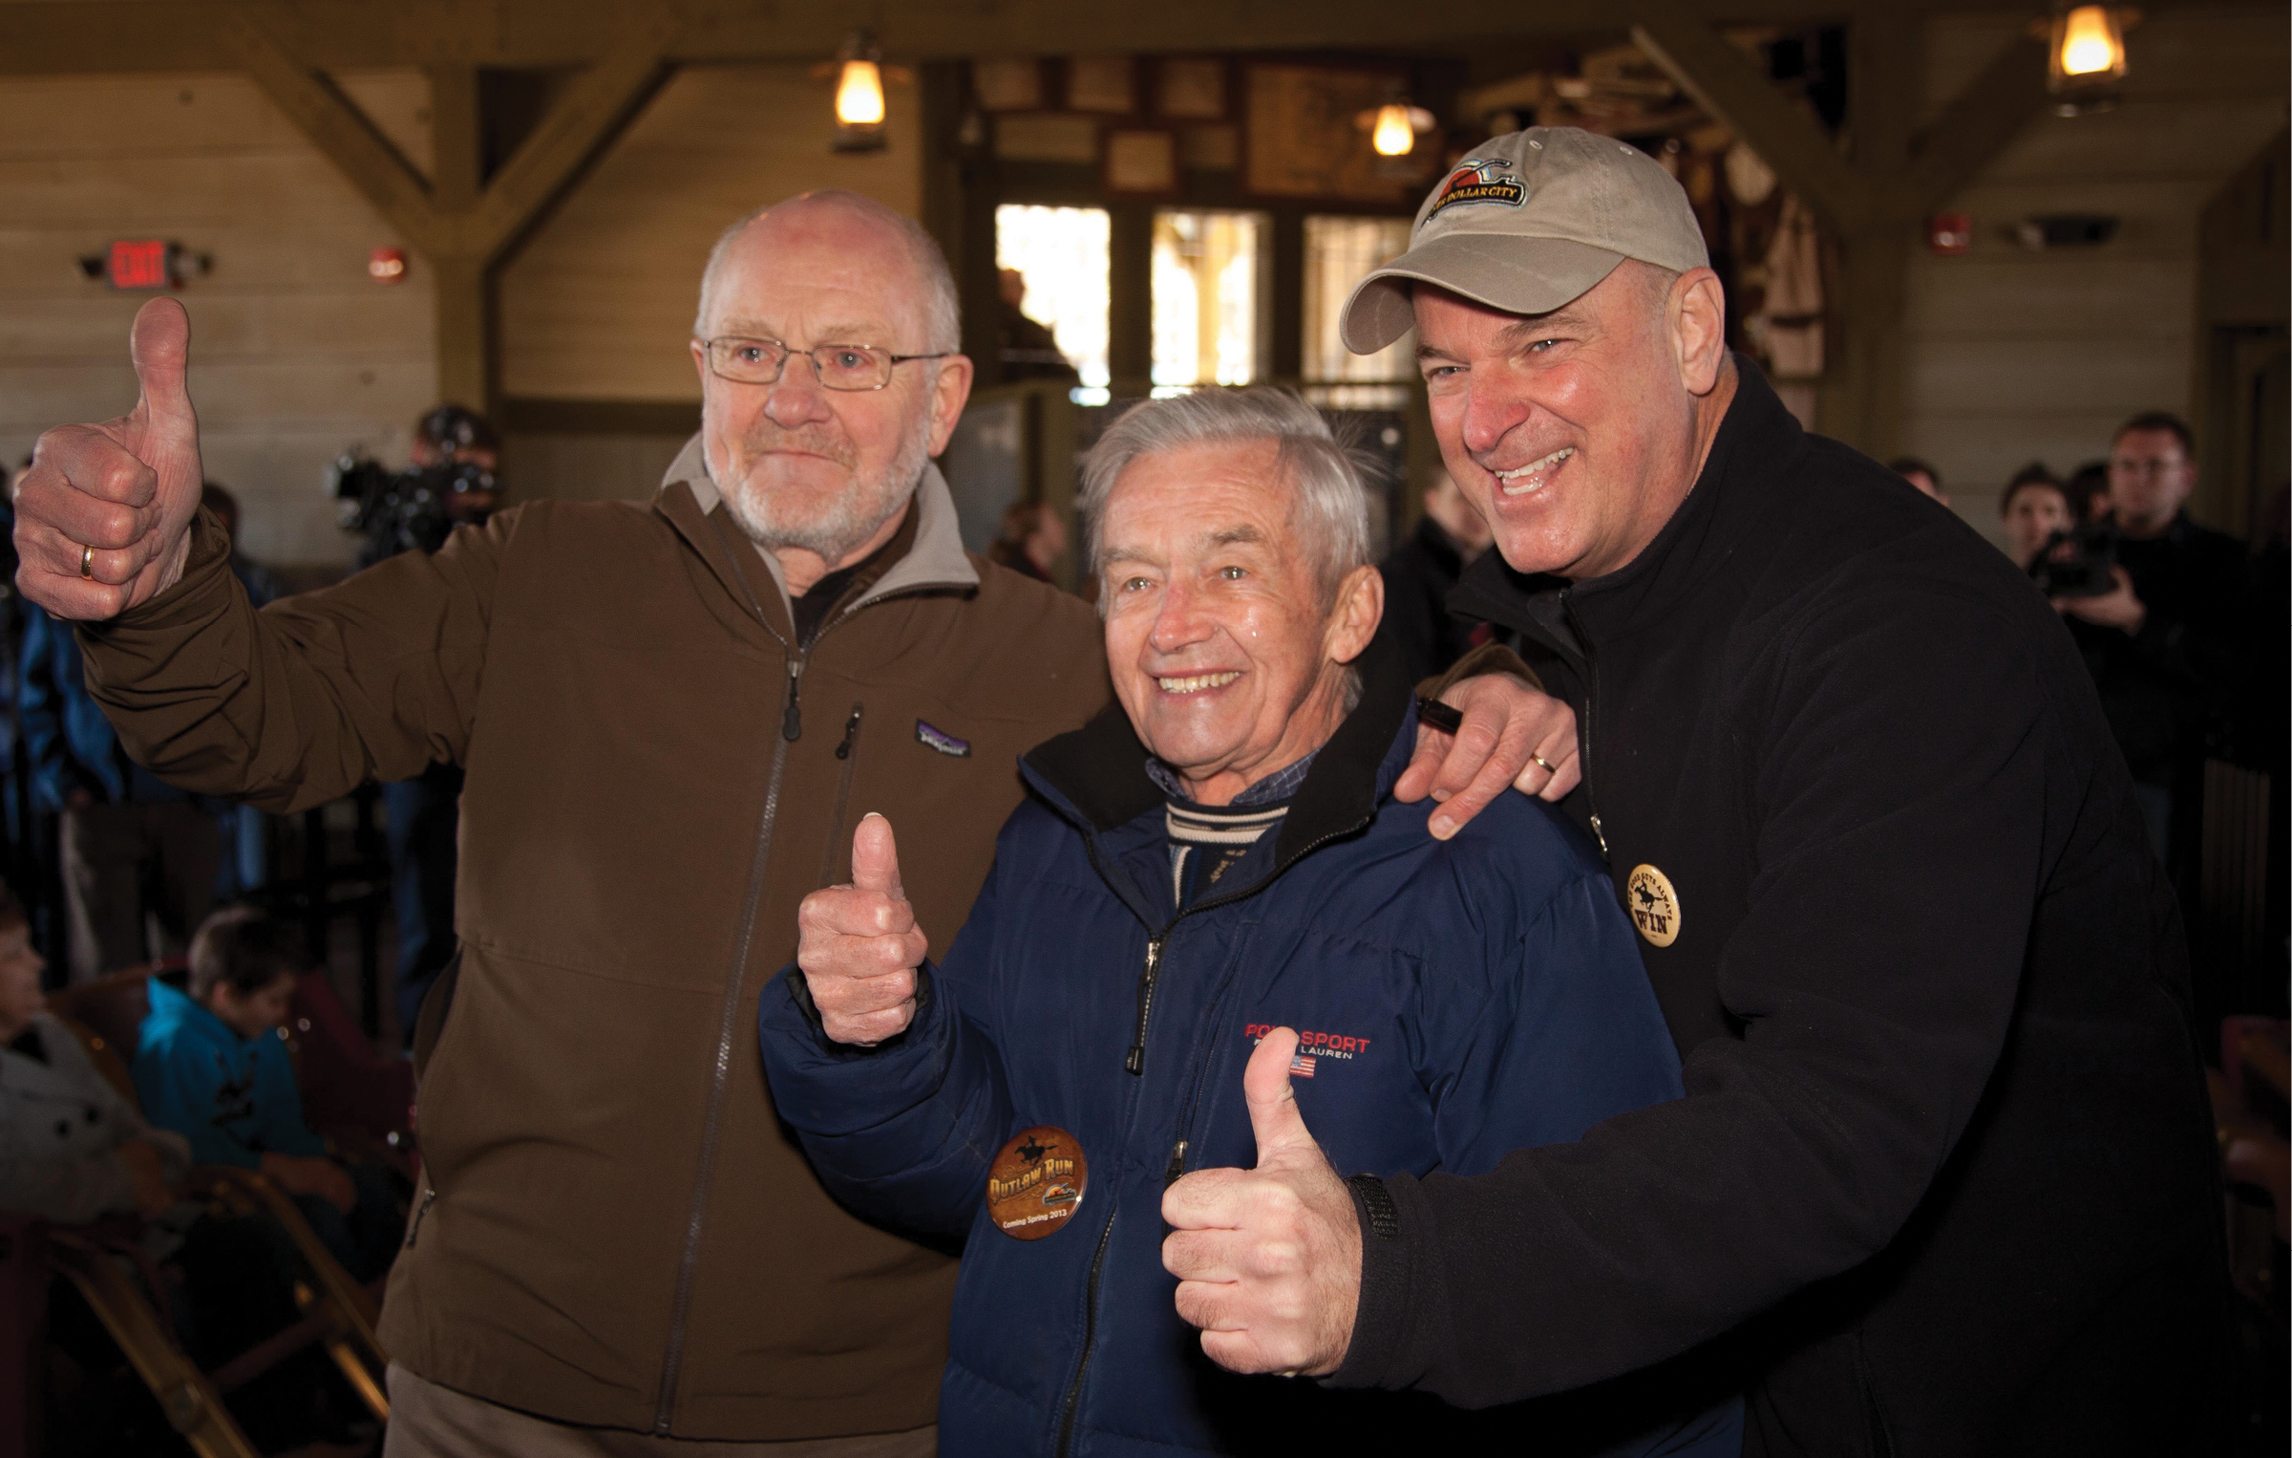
x=1195 y=683
x=1535 y=476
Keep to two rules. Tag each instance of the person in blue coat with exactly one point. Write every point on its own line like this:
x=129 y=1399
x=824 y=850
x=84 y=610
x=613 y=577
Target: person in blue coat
x=1210 y=918
x=210 y=1065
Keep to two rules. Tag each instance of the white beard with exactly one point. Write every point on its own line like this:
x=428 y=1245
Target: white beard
x=844 y=524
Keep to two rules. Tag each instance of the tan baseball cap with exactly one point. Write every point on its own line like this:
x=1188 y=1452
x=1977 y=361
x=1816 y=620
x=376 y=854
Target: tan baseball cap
x=1525 y=223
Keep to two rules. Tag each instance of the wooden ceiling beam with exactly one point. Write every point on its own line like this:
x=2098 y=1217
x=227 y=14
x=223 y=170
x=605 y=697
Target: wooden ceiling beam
x=1979 y=123
x=88 y=36
x=1731 y=86
x=341 y=131
x=578 y=128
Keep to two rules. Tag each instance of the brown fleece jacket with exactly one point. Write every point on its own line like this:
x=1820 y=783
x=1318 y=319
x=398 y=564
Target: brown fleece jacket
x=615 y=1229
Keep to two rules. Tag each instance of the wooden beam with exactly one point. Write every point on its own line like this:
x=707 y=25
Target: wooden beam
x=1730 y=86
x=38 y=37
x=1980 y=122
x=339 y=130
x=456 y=137
x=580 y=125
x=464 y=314
x=1886 y=57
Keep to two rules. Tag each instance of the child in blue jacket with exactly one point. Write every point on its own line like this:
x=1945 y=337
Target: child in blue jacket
x=211 y=1065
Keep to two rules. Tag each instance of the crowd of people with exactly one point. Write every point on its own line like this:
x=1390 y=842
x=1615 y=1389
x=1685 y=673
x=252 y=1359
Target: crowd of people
x=1729 y=1003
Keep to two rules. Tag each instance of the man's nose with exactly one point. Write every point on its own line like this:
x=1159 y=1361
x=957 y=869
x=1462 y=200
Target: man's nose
x=1490 y=413
x=796 y=397
x=1179 y=621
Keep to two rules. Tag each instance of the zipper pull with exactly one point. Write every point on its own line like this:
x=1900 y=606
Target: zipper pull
x=429 y=1198
x=1177 y=1165
x=1600 y=834
x=851 y=732
x=792 y=717
x=1135 y=1060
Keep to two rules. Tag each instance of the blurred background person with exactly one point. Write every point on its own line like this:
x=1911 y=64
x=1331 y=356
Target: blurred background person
x=246 y=830
x=1031 y=540
x=451 y=484
x=1419 y=573
x=1920 y=474
x=2034 y=507
x=138 y=857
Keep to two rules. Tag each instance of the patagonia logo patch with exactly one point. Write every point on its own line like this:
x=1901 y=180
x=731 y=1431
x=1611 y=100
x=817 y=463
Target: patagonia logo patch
x=941 y=740
x=1475 y=180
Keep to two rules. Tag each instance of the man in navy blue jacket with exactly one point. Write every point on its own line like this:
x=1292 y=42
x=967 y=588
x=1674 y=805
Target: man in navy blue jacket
x=1216 y=866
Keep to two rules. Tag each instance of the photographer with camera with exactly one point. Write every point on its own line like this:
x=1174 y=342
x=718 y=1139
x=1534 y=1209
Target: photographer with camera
x=2162 y=633
x=450 y=484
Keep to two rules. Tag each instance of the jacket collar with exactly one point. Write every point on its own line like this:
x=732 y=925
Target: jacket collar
x=1096 y=775
x=937 y=561
x=1757 y=442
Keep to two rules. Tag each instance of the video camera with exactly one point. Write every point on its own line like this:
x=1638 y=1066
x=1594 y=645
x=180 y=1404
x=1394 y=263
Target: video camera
x=2077 y=562
x=410 y=510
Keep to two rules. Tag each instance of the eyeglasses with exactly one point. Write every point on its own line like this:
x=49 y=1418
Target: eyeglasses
x=835 y=366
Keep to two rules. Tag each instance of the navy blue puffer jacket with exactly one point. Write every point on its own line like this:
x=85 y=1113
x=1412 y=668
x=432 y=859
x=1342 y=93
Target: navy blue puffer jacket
x=1458 y=1000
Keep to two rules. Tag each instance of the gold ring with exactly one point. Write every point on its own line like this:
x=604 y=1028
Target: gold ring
x=1549 y=767
x=87 y=561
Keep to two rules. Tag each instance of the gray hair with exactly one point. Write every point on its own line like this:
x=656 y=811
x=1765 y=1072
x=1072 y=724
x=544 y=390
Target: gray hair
x=942 y=316
x=1331 y=510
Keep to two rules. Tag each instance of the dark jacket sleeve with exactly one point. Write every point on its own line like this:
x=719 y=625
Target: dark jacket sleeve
x=1558 y=1032
x=374 y=678
x=902 y=1133
x=1897 y=762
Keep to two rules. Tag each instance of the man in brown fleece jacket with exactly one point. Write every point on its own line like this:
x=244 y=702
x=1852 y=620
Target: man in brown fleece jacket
x=671 y=714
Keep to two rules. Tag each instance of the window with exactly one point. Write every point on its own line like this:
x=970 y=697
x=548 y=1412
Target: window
x=1210 y=298
x=1063 y=255
x=1339 y=252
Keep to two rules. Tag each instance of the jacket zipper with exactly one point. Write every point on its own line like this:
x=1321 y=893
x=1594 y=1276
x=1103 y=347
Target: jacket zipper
x=845 y=748
x=1073 y=1401
x=421 y=1213
x=1135 y=1062
x=1591 y=697
x=720 y=1077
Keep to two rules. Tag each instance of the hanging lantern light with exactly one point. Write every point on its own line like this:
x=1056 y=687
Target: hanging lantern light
x=859 y=96
x=2086 y=59
x=1391 y=134
x=1394 y=127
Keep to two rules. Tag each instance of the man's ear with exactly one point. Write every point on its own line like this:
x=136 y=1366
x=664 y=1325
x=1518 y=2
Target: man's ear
x=1698 y=320
x=949 y=390
x=1353 y=621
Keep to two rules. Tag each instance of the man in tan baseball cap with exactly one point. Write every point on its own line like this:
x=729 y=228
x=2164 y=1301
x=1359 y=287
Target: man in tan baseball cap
x=1892 y=890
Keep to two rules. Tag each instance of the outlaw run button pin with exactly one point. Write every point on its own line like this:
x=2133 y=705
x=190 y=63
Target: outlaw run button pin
x=1035 y=1185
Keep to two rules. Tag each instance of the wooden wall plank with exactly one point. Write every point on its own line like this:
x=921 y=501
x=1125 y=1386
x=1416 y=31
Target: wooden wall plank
x=599 y=304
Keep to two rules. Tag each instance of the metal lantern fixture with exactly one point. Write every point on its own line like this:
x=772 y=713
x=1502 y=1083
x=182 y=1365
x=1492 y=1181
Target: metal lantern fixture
x=2085 y=61
x=859 y=96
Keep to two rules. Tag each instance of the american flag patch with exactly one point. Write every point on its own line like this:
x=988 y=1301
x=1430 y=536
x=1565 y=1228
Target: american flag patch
x=1301 y=1066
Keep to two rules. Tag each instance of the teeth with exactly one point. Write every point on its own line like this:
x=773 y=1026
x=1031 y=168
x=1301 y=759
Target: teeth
x=1521 y=480
x=1196 y=683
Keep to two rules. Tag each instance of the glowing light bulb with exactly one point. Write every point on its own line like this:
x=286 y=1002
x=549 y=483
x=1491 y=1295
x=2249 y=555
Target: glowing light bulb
x=1393 y=137
x=2089 y=44
x=859 y=94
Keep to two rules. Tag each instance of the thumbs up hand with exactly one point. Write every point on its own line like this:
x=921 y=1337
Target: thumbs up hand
x=859 y=945
x=1268 y=1260
x=103 y=515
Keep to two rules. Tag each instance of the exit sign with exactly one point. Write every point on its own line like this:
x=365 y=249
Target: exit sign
x=141 y=263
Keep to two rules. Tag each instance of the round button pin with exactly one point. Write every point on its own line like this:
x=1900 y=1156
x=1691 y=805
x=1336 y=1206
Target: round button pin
x=1653 y=904
x=1036 y=1183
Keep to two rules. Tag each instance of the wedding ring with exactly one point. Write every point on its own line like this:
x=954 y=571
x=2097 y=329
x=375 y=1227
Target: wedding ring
x=87 y=561
x=1549 y=767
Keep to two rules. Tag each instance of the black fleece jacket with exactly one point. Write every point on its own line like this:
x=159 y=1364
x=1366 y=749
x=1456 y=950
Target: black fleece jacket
x=1942 y=1181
